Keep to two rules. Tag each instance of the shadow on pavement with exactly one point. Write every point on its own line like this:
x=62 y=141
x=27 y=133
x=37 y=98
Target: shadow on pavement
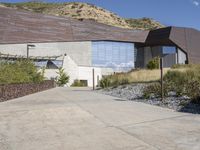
x=193 y=108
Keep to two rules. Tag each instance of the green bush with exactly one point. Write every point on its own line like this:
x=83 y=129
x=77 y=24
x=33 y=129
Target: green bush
x=105 y=82
x=154 y=63
x=183 y=83
x=78 y=83
x=175 y=81
x=155 y=90
x=21 y=71
x=114 y=80
x=62 y=77
x=152 y=89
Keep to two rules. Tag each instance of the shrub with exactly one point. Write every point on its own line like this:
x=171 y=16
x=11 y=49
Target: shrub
x=155 y=90
x=183 y=83
x=21 y=71
x=193 y=91
x=114 y=80
x=154 y=63
x=152 y=89
x=62 y=77
x=105 y=82
x=174 y=81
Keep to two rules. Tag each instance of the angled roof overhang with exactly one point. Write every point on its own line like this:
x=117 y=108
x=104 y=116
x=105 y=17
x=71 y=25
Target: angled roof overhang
x=187 y=39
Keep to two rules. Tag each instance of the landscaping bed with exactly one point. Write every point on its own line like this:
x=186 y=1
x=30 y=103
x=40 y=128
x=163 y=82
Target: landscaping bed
x=134 y=92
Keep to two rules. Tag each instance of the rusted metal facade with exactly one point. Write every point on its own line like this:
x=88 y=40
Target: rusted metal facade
x=187 y=39
x=22 y=26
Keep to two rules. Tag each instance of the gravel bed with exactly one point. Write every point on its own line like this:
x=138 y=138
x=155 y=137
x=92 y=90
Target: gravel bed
x=134 y=92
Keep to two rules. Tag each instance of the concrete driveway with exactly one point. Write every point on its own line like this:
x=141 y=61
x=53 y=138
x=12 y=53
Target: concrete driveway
x=79 y=119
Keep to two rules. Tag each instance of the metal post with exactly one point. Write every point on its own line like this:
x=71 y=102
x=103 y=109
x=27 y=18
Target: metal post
x=93 y=79
x=27 y=51
x=98 y=81
x=161 y=78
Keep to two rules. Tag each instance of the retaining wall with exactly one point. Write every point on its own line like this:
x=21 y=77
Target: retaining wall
x=11 y=91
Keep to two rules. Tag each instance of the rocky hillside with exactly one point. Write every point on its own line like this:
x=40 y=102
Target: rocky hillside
x=79 y=10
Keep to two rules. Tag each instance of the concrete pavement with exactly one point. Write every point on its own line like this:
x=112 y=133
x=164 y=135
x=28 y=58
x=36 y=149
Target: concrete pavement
x=80 y=119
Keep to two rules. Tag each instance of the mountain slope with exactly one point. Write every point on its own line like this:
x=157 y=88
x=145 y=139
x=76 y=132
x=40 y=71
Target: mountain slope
x=81 y=11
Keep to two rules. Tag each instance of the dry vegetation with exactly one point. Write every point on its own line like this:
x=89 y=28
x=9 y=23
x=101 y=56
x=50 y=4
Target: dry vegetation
x=137 y=76
x=81 y=11
x=144 y=75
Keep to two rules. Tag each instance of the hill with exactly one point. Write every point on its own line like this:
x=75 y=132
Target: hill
x=81 y=11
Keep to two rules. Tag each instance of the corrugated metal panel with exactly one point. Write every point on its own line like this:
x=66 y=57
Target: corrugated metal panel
x=22 y=27
x=188 y=40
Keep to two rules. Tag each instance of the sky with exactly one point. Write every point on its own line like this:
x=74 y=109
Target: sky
x=183 y=13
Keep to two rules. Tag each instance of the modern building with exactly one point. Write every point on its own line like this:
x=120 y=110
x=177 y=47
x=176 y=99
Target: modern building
x=79 y=46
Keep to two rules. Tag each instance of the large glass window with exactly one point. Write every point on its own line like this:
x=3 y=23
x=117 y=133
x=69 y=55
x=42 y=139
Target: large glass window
x=116 y=55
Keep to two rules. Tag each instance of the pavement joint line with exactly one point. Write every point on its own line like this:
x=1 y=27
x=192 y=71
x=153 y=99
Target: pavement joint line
x=135 y=136
x=151 y=121
x=96 y=117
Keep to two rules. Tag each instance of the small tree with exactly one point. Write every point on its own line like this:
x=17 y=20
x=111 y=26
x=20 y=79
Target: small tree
x=62 y=77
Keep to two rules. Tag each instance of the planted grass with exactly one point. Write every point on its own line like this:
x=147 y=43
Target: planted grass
x=135 y=76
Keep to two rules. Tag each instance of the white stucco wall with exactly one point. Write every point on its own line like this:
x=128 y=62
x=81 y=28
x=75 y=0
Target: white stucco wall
x=71 y=68
x=86 y=73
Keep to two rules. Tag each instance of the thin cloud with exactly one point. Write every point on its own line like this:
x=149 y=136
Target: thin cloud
x=195 y=3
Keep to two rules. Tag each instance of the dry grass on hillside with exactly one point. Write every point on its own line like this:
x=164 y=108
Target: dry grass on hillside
x=78 y=10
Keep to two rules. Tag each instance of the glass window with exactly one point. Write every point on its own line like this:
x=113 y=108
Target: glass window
x=169 y=50
x=117 y=55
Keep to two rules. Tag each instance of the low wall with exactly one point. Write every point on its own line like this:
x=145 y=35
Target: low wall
x=11 y=91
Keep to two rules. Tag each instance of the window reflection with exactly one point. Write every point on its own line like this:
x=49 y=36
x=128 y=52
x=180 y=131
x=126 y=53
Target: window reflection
x=116 y=55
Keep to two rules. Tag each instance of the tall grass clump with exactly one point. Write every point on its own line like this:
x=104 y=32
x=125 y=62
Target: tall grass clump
x=21 y=71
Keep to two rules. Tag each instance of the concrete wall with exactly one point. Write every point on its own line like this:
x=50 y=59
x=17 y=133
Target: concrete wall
x=79 y=72
x=139 y=59
x=85 y=73
x=147 y=55
x=80 y=52
x=77 y=62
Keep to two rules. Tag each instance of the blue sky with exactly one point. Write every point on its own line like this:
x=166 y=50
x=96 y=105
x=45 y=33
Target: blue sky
x=184 y=13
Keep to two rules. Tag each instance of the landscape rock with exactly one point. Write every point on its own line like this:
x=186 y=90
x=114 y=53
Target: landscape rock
x=134 y=92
